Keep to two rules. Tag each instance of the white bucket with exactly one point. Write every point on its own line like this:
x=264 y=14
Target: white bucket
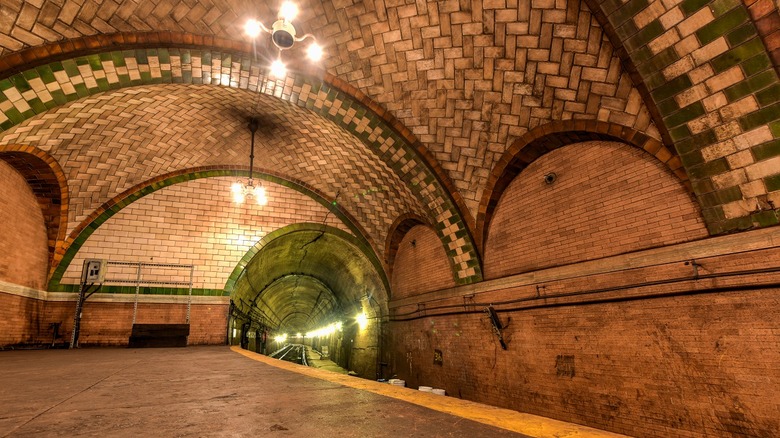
x=425 y=388
x=438 y=391
x=397 y=382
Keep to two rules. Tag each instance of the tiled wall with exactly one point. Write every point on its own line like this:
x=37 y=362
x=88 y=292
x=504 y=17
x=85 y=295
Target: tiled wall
x=196 y=222
x=637 y=345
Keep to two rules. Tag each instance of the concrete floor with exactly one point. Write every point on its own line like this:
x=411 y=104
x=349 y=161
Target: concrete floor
x=209 y=391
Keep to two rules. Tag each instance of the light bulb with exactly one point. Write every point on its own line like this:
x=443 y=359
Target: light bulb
x=288 y=11
x=314 y=52
x=362 y=320
x=252 y=28
x=278 y=70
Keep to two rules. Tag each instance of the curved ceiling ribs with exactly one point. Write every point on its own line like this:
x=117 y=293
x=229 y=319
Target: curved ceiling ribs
x=35 y=91
x=79 y=235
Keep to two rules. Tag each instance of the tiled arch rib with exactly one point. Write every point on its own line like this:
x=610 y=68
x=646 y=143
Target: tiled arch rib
x=35 y=91
x=82 y=232
x=710 y=75
x=464 y=77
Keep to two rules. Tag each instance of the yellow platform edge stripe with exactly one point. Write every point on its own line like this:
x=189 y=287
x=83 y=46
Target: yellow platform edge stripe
x=528 y=424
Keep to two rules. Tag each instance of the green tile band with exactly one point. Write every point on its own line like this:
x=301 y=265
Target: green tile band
x=132 y=67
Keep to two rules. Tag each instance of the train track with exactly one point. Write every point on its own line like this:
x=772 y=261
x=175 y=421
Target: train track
x=295 y=353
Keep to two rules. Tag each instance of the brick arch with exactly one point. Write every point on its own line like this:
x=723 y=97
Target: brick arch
x=79 y=235
x=398 y=230
x=320 y=92
x=49 y=184
x=545 y=138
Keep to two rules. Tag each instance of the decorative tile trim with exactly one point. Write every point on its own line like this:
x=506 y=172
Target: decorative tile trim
x=83 y=231
x=33 y=91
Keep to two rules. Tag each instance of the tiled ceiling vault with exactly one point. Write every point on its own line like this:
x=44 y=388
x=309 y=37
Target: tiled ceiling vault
x=464 y=80
x=460 y=81
x=131 y=135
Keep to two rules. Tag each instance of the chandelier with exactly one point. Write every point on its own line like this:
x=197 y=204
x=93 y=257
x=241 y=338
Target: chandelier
x=249 y=189
x=284 y=36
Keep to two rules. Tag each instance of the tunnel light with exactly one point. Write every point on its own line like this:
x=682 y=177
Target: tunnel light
x=281 y=338
x=324 y=331
x=362 y=320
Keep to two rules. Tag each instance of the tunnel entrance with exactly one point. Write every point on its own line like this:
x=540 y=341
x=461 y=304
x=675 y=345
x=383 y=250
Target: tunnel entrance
x=314 y=285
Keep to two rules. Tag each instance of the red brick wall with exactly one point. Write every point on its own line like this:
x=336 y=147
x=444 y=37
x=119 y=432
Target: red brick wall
x=692 y=364
x=421 y=267
x=110 y=324
x=668 y=367
x=24 y=254
x=19 y=323
x=608 y=198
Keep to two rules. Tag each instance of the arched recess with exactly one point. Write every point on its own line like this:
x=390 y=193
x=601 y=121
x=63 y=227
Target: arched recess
x=419 y=262
x=49 y=84
x=588 y=201
x=543 y=139
x=398 y=230
x=49 y=184
x=73 y=243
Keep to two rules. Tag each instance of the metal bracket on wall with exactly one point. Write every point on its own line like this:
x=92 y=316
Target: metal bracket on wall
x=695 y=267
x=497 y=326
x=468 y=303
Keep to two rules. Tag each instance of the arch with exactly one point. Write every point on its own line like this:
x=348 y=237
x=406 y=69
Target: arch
x=398 y=230
x=239 y=270
x=49 y=84
x=49 y=184
x=84 y=230
x=312 y=257
x=546 y=138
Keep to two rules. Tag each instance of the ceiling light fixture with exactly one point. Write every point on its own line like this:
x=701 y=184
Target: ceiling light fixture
x=284 y=36
x=249 y=189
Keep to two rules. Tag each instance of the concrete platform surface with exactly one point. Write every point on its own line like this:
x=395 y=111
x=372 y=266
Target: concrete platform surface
x=211 y=391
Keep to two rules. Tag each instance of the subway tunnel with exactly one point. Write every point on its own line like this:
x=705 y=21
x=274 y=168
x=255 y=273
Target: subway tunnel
x=306 y=278
x=564 y=213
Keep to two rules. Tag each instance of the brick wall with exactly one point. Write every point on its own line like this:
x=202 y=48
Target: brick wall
x=23 y=249
x=19 y=322
x=608 y=198
x=197 y=223
x=662 y=348
x=692 y=366
x=421 y=265
x=110 y=324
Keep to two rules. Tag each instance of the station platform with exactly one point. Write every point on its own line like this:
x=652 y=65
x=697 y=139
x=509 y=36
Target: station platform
x=227 y=391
